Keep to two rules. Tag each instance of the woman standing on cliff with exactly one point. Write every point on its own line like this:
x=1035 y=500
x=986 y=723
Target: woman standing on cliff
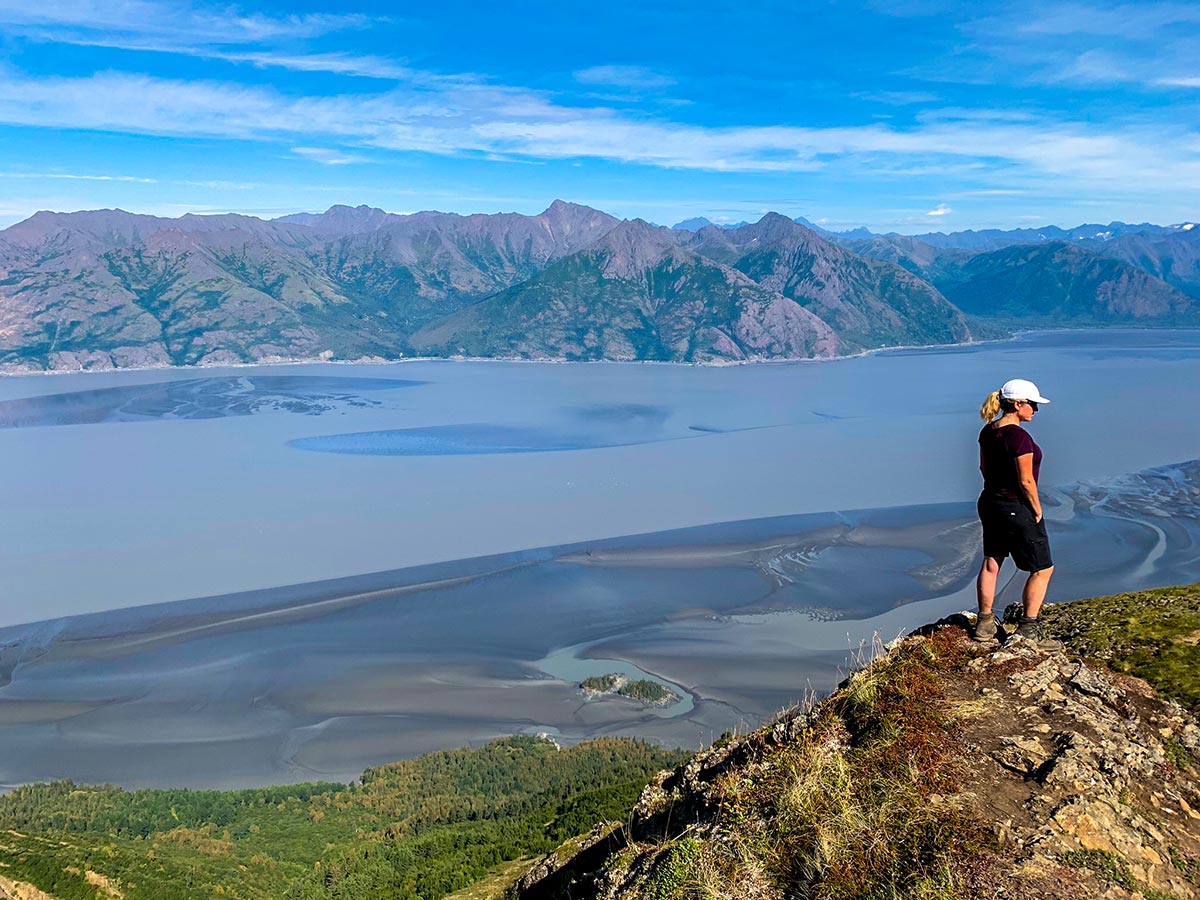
x=1010 y=509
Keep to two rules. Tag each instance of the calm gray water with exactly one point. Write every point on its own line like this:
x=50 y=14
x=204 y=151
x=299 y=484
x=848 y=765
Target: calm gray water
x=400 y=558
x=141 y=487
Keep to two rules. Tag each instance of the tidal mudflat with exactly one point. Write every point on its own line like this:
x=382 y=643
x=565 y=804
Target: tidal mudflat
x=681 y=519
x=129 y=488
x=739 y=619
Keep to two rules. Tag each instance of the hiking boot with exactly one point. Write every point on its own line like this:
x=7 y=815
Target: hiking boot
x=985 y=628
x=1032 y=630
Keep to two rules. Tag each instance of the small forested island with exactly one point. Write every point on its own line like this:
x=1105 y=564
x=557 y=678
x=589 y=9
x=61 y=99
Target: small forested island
x=640 y=689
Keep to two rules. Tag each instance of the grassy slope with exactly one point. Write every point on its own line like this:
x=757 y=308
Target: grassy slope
x=852 y=823
x=1154 y=635
x=854 y=806
x=420 y=828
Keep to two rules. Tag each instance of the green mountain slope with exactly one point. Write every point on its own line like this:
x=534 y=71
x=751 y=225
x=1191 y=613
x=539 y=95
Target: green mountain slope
x=1174 y=258
x=869 y=303
x=413 y=829
x=417 y=268
x=1063 y=284
x=913 y=254
x=634 y=294
x=107 y=288
x=112 y=289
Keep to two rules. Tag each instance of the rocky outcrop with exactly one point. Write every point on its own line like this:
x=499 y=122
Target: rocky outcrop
x=1007 y=772
x=1087 y=770
x=20 y=890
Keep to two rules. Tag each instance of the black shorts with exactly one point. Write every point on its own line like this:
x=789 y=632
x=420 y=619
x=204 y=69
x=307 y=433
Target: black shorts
x=1009 y=530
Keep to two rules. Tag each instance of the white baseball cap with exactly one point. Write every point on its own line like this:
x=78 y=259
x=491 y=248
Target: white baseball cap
x=1020 y=389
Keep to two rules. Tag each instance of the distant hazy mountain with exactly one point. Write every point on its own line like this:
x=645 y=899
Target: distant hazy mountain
x=691 y=224
x=1170 y=253
x=855 y=234
x=800 y=220
x=1174 y=257
x=343 y=219
x=910 y=253
x=836 y=236
x=995 y=239
x=634 y=294
x=1062 y=283
x=700 y=222
x=868 y=302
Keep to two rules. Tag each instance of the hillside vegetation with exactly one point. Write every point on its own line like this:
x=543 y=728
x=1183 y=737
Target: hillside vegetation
x=421 y=828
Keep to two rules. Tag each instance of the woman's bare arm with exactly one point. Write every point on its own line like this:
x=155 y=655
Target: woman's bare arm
x=1028 y=485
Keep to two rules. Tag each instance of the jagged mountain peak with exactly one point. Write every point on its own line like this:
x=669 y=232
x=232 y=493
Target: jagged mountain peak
x=693 y=224
x=870 y=303
x=573 y=224
x=635 y=245
x=772 y=227
x=566 y=207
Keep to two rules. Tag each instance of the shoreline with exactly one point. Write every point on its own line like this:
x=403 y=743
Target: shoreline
x=6 y=372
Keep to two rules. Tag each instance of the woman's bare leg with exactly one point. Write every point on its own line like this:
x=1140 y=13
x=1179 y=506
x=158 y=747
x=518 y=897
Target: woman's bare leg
x=1035 y=592
x=985 y=585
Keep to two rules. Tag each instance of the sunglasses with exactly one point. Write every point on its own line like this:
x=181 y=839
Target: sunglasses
x=1031 y=404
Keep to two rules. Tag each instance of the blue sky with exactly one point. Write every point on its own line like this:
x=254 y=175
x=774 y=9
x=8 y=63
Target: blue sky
x=907 y=116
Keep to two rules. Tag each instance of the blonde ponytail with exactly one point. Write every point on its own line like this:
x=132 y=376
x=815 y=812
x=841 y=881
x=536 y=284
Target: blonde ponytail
x=991 y=406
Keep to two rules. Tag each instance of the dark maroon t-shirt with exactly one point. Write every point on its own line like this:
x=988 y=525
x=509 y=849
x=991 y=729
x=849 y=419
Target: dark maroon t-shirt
x=999 y=449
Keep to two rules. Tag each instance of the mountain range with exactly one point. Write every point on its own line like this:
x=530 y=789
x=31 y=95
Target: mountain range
x=107 y=288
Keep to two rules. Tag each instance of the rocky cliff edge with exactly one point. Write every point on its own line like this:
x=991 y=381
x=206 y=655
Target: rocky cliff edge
x=942 y=769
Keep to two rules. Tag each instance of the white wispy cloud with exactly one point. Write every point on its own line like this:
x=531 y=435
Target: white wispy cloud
x=206 y=32
x=636 y=77
x=222 y=185
x=1087 y=44
x=456 y=117
x=333 y=63
x=898 y=98
x=991 y=192
x=66 y=176
x=975 y=114
x=83 y=21
x=940 y=210
x=1179 y=82
x=1127 y=21
x=328 y=157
